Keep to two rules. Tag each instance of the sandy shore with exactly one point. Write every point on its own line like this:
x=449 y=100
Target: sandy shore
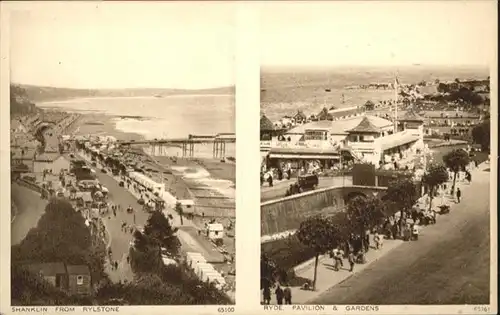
x=210 y=202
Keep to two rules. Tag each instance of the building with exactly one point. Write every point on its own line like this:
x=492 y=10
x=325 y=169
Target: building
x=362 y=137
x=73 y=279
x=458 y=123
x=215 y=231
x=79 y=279
x=24 y=156
x=52 y=162
x=267 y=132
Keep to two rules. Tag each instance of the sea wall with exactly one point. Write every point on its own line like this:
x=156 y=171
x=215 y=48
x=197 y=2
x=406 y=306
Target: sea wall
x=287 y=213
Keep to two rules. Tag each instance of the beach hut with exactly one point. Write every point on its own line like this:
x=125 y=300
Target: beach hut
x=206 y=272
x=194 y=258
x=202 y=267
x=215 y=231
x=210 y=275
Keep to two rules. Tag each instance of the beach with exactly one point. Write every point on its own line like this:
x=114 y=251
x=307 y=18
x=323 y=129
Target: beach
x=208 y=181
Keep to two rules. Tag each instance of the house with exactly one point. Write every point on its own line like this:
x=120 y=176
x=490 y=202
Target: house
x=53 y=273
x=53 y=162
x=79 y=279
x=73 y=279
x=23 y=156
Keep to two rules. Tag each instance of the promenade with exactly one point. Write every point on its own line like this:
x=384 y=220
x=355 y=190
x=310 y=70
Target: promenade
x=454 y=253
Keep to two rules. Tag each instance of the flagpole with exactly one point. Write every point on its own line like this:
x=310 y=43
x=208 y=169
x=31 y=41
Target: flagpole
x=396 y=86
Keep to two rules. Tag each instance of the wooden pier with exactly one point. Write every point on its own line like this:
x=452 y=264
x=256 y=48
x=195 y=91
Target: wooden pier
x=187 y=145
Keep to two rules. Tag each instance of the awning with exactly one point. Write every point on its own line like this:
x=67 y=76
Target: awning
x=304 y=157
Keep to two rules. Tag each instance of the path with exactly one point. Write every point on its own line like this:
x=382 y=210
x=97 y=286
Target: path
x=30 y=208
x=449 y=264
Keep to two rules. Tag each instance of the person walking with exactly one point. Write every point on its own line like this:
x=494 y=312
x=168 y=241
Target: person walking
x=267 y=295
x=116 y=265
x=415 y=231
x=459 y=194
x=287 y=294
x=367 y=240
x=351 y=259
x=335 y=259
x=279 y=294
x=376 y=239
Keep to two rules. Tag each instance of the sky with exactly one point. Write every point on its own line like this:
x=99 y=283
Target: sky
x=117 y=45
x=378 y=33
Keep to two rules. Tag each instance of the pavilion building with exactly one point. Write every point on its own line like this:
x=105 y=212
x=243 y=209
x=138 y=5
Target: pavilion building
x=365 y=138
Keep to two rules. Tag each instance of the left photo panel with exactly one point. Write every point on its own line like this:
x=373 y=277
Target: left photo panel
x=122 y=145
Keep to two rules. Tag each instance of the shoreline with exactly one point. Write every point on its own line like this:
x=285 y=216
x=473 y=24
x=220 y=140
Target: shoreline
x=176 y=183
x=83 y=98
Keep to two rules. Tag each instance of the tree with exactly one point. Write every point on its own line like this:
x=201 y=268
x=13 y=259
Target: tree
x=435 y=175
x=364 y=213
x=320 y=234
x=443 y=88
x=158 y=229
x=179 y=210
x=456 y=160
x=481 y=135
x=61 y=236
x=403 y=194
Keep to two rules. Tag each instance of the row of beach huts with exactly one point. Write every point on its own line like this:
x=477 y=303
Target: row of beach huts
x=205 y=271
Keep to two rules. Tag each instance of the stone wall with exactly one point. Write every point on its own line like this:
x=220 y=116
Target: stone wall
x=287 y=213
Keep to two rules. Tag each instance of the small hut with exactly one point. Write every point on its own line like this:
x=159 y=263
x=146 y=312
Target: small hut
x=300 y=117
x=324 y=115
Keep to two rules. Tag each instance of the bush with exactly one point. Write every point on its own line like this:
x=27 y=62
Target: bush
x=287 y=253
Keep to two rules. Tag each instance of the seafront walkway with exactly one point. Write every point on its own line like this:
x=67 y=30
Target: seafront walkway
x=119 y=240
x=328 y=278
x=453 y=254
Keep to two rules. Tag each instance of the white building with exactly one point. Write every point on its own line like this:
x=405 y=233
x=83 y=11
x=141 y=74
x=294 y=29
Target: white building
x=52 y=162
x=364 y=137
x=215 y=231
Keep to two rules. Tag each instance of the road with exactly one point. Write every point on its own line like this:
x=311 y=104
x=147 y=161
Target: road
x=449 y=264
x=30 y=208
x=279 y=188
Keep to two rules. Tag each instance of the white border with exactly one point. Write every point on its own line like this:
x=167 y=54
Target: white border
x=248 y=193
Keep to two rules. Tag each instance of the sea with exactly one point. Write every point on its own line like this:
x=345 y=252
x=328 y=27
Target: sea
x=284 y=90
x=174 y=116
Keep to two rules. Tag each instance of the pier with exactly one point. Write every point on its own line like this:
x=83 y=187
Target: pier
x=187 y=145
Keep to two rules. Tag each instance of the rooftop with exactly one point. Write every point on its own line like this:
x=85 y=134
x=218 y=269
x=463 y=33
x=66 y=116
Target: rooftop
x=47 y=157
x=365 y=126
x=47 y=269
x=78 y=270
x=266 y=124
x=340 y=127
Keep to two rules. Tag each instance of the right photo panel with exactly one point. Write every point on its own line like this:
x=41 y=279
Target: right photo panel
x=375 y=153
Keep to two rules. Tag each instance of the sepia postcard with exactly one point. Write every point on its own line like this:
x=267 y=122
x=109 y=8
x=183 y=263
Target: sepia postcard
x=376 y=160
x=122 y=156
x=377 y=156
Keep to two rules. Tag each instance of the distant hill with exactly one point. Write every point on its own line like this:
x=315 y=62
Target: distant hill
x=20 y=102
x=42 y=94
